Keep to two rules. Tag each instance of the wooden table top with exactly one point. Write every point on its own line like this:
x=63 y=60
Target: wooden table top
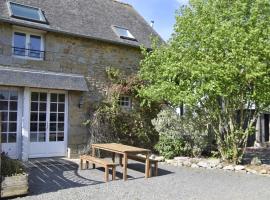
x=120 y=148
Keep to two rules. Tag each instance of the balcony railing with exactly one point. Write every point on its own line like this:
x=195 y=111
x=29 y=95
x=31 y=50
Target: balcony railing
x=29 y=53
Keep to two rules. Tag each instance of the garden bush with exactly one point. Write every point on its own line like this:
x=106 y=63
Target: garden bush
x=181 y=135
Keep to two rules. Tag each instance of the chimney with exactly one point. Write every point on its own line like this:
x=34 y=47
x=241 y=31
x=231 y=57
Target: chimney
x=152 y=23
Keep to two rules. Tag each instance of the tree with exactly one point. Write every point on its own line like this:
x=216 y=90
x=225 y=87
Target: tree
x=218 y=63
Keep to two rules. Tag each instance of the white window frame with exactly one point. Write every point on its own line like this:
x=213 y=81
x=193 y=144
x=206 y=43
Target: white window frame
x=27 y=35
x=124 y=101
x=41 y=15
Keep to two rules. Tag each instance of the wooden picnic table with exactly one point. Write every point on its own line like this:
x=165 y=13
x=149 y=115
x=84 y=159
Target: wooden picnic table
x=124 y=150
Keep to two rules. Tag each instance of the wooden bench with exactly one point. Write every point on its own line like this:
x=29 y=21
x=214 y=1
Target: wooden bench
x=101 y=162
x=142 y=159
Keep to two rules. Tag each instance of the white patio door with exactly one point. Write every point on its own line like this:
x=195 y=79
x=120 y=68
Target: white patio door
x=48 y=117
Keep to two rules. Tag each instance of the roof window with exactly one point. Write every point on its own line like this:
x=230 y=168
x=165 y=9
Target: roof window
x=124 y=33
x=26 y=12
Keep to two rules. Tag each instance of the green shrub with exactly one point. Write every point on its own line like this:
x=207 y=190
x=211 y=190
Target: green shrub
x=10 y=167
x=181 y=135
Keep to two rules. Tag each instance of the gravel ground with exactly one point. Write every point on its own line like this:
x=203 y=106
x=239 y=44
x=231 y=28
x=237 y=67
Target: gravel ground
x=61 y=179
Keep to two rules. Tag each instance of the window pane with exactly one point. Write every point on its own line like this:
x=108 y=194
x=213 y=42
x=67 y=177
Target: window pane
x=4 y=95
x=12 y=137
x=52 y=126
x=26 y=12
x=3 y=105
x=33 y=137
x=33 y=127
x=53 y=97
x=4 y=138
x=60 y=136
x=34 y=106
x=61 y=98
x=19 y=44
x=34 y=96
x=42 y=117
x=13 y=116
x=52 y=137
x=61 y=107
x=13 y=105
x=42 y=127
x=12 y=127
x=53 y=117
x=42 y=107
x=41 y=137
x=34 y=117
x=13 y=96
x=61 y=127
x=35 y=46
x=4 y=116
x=4 y=126
x=53 y=107
x=61 y=117
x=43 y=97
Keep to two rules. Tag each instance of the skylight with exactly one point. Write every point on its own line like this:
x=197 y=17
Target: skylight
x=124 y=33
x=26 y=12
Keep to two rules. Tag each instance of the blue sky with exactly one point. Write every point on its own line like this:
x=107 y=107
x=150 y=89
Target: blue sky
x=161 y=11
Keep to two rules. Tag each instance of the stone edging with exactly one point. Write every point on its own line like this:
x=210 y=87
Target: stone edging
x=213 y=163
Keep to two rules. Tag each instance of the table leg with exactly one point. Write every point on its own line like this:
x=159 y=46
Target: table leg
x=125 y=167
x=121 y=160
x=93 y=154
x=147 y=166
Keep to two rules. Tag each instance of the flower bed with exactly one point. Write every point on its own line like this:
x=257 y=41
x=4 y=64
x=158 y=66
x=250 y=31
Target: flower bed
x=14 y=178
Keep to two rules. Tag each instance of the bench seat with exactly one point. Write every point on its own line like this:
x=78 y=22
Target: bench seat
x=100 y=162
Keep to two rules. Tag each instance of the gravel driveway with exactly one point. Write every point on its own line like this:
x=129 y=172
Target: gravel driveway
x=61 y=179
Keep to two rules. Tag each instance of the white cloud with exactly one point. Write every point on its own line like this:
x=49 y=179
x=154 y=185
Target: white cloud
x=183 y=2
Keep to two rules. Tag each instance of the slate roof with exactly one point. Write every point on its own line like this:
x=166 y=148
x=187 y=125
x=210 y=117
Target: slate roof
x=87 y=18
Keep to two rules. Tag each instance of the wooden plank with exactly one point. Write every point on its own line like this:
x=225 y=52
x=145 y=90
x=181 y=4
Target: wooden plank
x=120 y=148
x=125 y=167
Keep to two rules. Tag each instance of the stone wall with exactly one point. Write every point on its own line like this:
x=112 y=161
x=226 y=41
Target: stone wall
x=79 y=56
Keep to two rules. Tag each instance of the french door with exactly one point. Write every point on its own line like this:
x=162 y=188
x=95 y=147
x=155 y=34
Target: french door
x=48 y=117
x=10 y=110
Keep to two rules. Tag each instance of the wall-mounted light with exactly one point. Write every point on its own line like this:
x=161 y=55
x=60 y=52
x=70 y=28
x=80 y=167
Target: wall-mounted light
x=80 y=101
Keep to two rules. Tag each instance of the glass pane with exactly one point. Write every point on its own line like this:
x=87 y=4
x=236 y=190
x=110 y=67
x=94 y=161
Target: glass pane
x=13 y=95
x=35 y=46
x=4 y=126
x=4 y=95
x=53 y=97
x=33 y=137
x=42 y=107
x=19 y=44
x=34 y=96
x=3 y=105
x=61 y=107
x=13 y=105
x=4 y=138
x=12 y=137
x=12 y=127
x=60 y=136
x=52 y=126
x=123 y=32
x=61 y=98
x=61 y=117
x=42 y=117
x=13 y=116
x=42 y=127
x=52 y=137
x=4 y=116
x=43 y=97
x=60 y=126
x=34 y=106
x=53 y=107
x=41 y=137
x=33 y=127
x=34 y=117
x=25 y=12
x=53 y=117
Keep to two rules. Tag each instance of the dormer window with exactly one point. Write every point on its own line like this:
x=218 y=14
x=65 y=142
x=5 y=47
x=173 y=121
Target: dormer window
x=26 y=12
x=124 y=33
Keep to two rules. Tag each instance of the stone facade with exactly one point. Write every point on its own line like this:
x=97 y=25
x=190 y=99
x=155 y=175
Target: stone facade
x=75 y=55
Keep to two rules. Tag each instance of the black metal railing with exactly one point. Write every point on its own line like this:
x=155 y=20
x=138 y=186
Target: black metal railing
x=30 y=53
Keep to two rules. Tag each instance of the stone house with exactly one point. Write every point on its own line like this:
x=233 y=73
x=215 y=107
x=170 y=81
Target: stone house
x=53 y=60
